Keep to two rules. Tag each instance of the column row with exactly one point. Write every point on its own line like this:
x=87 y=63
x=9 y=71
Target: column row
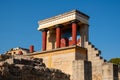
x=58 y=35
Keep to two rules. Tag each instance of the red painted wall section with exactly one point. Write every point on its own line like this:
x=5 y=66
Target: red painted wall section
x=20 y=53
x=70 y=42
x=64 y=42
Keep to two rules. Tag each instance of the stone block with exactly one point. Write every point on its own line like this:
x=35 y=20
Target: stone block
x=110 y=71
x=82 y=70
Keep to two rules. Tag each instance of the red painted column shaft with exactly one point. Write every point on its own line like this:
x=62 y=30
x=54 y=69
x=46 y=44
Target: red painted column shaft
x=58 y=37
x=31 y=48
x=44 y=39
x=74 y=33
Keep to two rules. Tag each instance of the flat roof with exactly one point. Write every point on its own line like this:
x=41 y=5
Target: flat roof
x=63 y=18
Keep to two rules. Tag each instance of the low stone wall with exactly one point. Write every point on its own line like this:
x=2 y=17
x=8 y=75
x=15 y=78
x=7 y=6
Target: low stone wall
x=28 y=68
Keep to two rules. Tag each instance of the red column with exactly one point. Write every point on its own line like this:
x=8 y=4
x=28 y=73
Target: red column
x=74 y=32
x=44 y=39
x=31 y=48
x=58 y=36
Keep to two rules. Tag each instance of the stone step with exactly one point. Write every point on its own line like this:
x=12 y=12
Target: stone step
x=90 y=46
x=95 y=52
x=96 y=58
x=97 y=62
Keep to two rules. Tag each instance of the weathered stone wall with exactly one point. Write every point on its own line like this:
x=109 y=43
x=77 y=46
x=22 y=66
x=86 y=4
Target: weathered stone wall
x=101 y=70
x=107 y=69
x=51 y=39
x=58 y=59
x=82 y=70
x=28 y=68
x=62 y=58
x=110 y=71
x=96 y=60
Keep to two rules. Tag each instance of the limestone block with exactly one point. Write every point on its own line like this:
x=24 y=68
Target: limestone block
x=82 y=70
x=110 y=71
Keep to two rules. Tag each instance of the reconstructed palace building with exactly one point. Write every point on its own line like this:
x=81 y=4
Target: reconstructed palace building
x=66 y=46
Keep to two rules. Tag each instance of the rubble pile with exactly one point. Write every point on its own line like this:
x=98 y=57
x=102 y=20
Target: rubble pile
x=27 y=68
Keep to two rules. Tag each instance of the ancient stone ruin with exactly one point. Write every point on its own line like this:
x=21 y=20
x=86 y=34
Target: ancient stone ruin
x=27 y=68
x=65 y=46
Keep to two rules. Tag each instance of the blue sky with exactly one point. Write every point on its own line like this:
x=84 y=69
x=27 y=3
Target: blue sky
x=19 y=22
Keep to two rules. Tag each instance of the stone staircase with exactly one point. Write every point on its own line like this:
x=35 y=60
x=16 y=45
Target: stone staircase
x=96 y=59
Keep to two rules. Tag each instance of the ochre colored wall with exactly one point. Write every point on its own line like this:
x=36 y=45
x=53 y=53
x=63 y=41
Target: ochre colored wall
x=61 y=58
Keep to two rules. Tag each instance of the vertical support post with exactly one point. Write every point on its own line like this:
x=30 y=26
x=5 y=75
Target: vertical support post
x=84 y=34
x=74 y=31
x=44 y=39
x=31 y=48
x=58 y=35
